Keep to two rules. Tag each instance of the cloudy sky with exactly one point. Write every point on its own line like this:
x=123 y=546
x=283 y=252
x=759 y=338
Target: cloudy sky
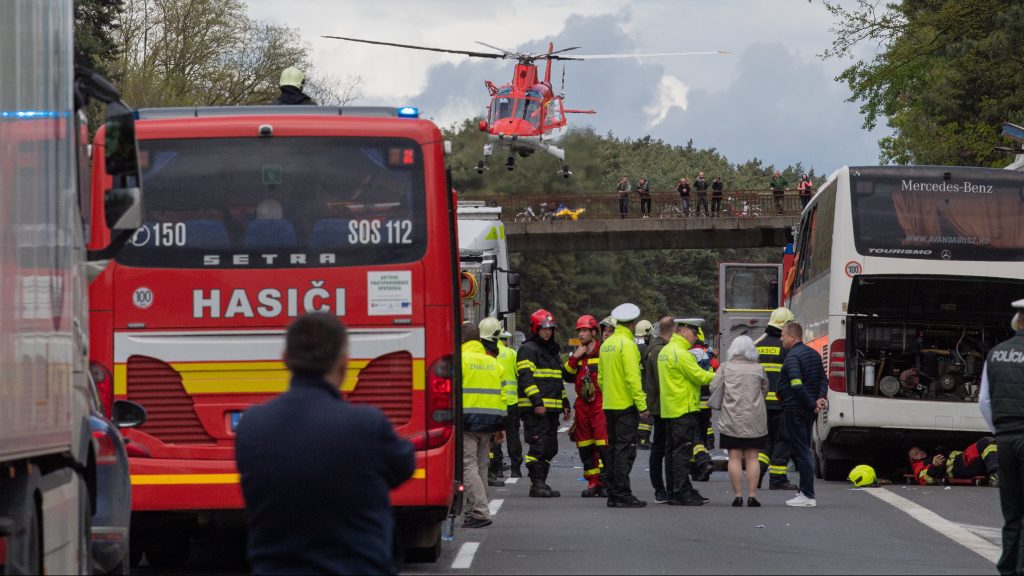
x=772 y=99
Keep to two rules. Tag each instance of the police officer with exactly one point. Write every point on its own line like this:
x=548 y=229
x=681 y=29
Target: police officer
x=292 y=82
x=704 y=439
x=680 y=379
x=507 y=359
x=490 y=333
x=652 y=389
x=1002 y=404
x=774 y=458
x=541 y=398
x=618 y=375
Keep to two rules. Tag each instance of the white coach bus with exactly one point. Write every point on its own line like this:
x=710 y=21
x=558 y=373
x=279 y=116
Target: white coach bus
x=902 y=282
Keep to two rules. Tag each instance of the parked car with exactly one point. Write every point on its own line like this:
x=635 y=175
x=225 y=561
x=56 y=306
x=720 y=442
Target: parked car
x=112 y=491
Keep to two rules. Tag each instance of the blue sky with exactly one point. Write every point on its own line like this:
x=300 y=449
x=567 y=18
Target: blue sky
x=773 y=98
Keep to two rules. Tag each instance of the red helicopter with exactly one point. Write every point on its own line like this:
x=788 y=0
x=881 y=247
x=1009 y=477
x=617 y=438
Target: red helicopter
x=524 y=112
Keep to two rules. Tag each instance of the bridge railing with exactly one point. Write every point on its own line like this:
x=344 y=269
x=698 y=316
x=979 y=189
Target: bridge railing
x=603 y=206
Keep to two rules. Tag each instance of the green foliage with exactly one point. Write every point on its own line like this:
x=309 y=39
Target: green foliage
x=95 y=23
x=948 y=74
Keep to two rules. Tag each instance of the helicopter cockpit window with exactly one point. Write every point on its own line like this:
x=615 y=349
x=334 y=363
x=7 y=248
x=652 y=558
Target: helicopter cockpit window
x=502 y=107
x=531 y=110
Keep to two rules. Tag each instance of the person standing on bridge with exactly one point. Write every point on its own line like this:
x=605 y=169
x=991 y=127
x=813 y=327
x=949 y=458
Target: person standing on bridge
x=802 y=389
x=1002 y=404
x=643 y=189
x=716 y=197
x=774 y=458
x=701 y=186
x=591 y=433
x=683 y=187
x=623 y=191
x=680 y=379
x=618 y=375
x=541 y=398
x=778 y=186
x=316 y=471
x=652 y=390
x=806 y=189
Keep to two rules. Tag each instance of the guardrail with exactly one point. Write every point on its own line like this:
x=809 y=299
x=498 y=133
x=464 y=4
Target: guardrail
x=605 y=206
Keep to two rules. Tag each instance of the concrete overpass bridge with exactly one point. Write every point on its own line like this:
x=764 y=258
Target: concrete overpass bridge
x=748 y=219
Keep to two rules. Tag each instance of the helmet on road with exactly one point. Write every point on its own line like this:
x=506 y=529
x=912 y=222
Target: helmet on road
x=292 y=76
x=586 y=321
x=780 y=316
x=490 y=329
x=541 y=319
x=862 y=475
x=643 y=328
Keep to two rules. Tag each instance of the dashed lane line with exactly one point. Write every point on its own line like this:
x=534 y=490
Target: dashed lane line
x=464 y=559
x=563 y=429
x=511 y=480
x=955 y=532
x=494 y=505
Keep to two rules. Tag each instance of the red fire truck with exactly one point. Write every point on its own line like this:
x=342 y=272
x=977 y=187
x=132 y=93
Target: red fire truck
x=257 y=215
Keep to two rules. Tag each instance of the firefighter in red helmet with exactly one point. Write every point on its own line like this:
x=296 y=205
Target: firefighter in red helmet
x=590 y=432
x=541 y=398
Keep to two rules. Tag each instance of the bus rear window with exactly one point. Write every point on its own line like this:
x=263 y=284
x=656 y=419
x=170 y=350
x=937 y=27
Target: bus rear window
x=925 y=213
x=280 y=203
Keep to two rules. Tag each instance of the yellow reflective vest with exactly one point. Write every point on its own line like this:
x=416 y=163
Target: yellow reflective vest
x=483 y=404
x=618 y=372
x=680 y=378
x=509 y=384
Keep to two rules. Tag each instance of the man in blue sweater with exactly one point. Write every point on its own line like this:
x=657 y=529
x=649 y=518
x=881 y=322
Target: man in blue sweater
x=317 y=471
x=802 y=389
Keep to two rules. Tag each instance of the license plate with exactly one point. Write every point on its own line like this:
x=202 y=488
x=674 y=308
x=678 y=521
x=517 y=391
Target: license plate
x=236 y=417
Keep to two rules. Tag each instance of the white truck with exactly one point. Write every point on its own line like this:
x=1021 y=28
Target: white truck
x=488 y=287
x=47 y=453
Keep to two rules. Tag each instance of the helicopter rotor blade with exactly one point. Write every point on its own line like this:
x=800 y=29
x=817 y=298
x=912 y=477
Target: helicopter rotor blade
x=507 y=52
x=650 y=55
x=414 y=47
x=566 y=49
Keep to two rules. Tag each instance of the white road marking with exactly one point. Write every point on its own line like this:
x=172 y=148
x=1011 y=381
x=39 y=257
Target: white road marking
x=955 y=532
x=495 y=505
x=511 y=480
x=994 y=535
x=563 y=429
x=464 y=559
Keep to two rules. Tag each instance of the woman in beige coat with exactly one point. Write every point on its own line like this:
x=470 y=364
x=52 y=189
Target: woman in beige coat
x=742 y=420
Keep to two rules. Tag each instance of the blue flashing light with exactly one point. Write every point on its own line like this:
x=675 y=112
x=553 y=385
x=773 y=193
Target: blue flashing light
x=33 y=114
x=408 y=112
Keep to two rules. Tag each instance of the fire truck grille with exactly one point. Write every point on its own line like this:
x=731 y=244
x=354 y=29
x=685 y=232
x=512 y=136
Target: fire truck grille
x=172 y=417
x=386 y=382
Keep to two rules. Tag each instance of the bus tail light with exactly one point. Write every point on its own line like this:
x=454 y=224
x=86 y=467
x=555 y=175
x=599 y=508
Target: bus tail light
x=104 y=386
x=440 y=405
x=837 y=366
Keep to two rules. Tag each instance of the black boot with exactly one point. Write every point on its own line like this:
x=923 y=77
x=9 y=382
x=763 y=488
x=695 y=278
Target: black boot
x=538 y=489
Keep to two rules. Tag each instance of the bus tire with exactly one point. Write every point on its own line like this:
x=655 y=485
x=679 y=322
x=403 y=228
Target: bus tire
x=425 y=546
x=833 y=469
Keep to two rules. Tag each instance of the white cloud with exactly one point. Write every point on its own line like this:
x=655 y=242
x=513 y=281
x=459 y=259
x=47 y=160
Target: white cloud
x=671 y=93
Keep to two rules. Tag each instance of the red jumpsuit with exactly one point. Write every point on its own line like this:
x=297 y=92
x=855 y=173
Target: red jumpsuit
x=591 y=430
x=978 y=459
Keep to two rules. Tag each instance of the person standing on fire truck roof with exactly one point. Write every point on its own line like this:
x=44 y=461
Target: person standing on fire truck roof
x=292 y=83
x=541 y=395
x=340 y=521
x=591 y=434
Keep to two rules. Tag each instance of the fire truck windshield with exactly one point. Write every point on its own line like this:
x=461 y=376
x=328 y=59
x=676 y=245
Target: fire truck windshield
x=280 y=202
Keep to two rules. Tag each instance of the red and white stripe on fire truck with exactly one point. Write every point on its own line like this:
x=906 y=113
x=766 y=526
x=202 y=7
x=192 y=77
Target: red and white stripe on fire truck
x=268 y=302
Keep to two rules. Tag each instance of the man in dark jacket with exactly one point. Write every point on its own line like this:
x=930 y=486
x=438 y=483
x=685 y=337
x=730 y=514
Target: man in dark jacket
x=666 y=326
x=1002 y=404
x=541 y=398
x=775 y=456
x=292 y=82
x=316 y=471
x=802 y=384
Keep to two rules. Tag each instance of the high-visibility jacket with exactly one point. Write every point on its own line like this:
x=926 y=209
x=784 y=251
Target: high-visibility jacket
x=509 y=383
x=539 y=375
x=574 y=370
x=770 y=354
x=618 y=372
x=483 y=405
x=680 y=378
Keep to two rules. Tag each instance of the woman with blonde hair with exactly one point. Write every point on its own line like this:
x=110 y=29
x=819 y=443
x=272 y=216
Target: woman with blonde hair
x=742 y=420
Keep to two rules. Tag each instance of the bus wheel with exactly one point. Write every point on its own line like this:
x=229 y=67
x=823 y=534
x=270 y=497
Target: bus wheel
x=833 y=469
x=426 y=545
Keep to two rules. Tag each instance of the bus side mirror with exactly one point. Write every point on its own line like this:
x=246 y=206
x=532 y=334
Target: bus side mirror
x=514 y=294
x=128 y=414
x=123 y=203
